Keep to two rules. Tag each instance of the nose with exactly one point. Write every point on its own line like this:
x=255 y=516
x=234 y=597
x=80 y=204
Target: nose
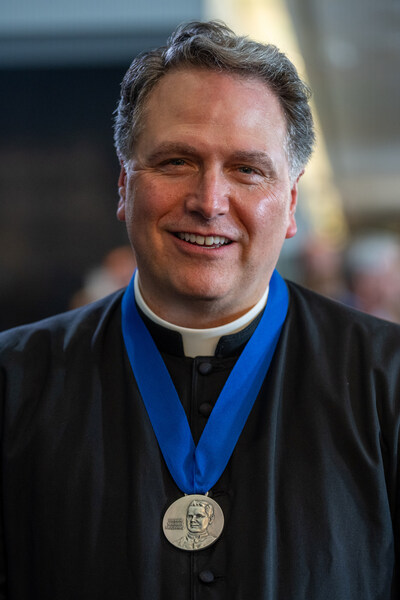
x=211 y=196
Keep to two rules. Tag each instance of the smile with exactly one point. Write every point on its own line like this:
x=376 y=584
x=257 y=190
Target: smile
x=202 y=240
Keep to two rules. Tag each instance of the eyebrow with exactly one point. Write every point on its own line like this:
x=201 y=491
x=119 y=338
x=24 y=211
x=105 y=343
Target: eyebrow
x=171 y=148
x=257 y=157
x=240 y=156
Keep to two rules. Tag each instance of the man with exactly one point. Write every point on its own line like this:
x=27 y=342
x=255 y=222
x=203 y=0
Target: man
x=209 y=376
x=199 y=516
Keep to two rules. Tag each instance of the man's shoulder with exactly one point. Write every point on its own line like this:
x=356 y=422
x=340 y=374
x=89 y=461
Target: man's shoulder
x=332 y=319
x=65 y=327
x=304 y=297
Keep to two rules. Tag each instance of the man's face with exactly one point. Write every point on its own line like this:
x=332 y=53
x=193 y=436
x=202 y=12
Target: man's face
x=197 y=520
x=206 y=197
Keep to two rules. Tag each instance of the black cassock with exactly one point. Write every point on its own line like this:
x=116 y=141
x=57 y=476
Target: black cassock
x=310 y=495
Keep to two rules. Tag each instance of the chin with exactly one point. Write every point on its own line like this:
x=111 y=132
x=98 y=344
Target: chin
x=211 y=295
x=204 y=288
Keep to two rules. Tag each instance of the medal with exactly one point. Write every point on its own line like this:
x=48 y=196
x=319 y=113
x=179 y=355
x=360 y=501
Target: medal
x=196 y=469
x=193 y=522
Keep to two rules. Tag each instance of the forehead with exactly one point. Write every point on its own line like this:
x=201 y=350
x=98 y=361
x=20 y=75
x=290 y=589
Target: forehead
x=201 y=100
x=199 y=77
x=196 y=509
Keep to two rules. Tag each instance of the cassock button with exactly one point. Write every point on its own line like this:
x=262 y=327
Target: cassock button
x=205 y=368
x=205 y=409
x=206 y=576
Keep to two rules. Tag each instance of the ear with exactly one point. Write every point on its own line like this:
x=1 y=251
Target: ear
x=292 y=226
x=122 y=194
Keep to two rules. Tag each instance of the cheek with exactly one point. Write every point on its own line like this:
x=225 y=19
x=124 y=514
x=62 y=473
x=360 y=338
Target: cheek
x=268 y=217
x=139 y=206
x=149 y=201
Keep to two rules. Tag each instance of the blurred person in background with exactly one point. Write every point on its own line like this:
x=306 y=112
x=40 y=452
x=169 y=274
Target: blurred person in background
x=113 y=274
x=321 y=267
x=372 y=267
x=210 y=381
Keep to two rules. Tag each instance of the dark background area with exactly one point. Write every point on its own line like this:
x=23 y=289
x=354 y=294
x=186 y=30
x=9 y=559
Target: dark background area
x=58 y=185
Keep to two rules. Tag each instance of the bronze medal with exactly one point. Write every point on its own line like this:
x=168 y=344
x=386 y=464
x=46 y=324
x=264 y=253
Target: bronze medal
x=193 y=522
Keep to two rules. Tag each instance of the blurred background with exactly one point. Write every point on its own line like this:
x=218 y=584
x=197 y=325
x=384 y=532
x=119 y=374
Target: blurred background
x=61 y=64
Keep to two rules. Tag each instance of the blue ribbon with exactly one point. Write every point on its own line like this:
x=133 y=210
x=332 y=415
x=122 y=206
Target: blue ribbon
x=196 y=469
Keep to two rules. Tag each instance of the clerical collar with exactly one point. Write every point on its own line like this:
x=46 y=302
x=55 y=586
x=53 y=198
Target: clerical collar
x=201 y=342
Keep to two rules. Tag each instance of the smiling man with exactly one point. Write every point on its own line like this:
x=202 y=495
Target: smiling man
x=207 y=195
x=210 y=396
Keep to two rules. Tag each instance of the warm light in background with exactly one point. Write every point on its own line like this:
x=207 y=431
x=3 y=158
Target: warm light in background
x=269 y=21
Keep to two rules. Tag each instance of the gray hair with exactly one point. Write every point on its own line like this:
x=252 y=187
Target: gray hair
x=212 y=45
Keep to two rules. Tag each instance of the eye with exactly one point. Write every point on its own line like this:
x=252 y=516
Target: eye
x=174 y=166
x=248 y=170
x=177 y=162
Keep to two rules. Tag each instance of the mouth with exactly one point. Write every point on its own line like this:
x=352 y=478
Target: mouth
x=210 y=241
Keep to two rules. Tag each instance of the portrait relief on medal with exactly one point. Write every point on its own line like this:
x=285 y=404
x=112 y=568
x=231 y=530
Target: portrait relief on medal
x=193 y=522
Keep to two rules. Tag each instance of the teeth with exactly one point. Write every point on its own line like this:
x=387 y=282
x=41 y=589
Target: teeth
x=201 y=240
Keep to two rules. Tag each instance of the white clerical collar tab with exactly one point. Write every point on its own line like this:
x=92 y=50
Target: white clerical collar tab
x=201 y=342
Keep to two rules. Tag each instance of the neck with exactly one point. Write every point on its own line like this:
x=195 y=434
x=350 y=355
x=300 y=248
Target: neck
x=196 y=312
x=201 y=341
